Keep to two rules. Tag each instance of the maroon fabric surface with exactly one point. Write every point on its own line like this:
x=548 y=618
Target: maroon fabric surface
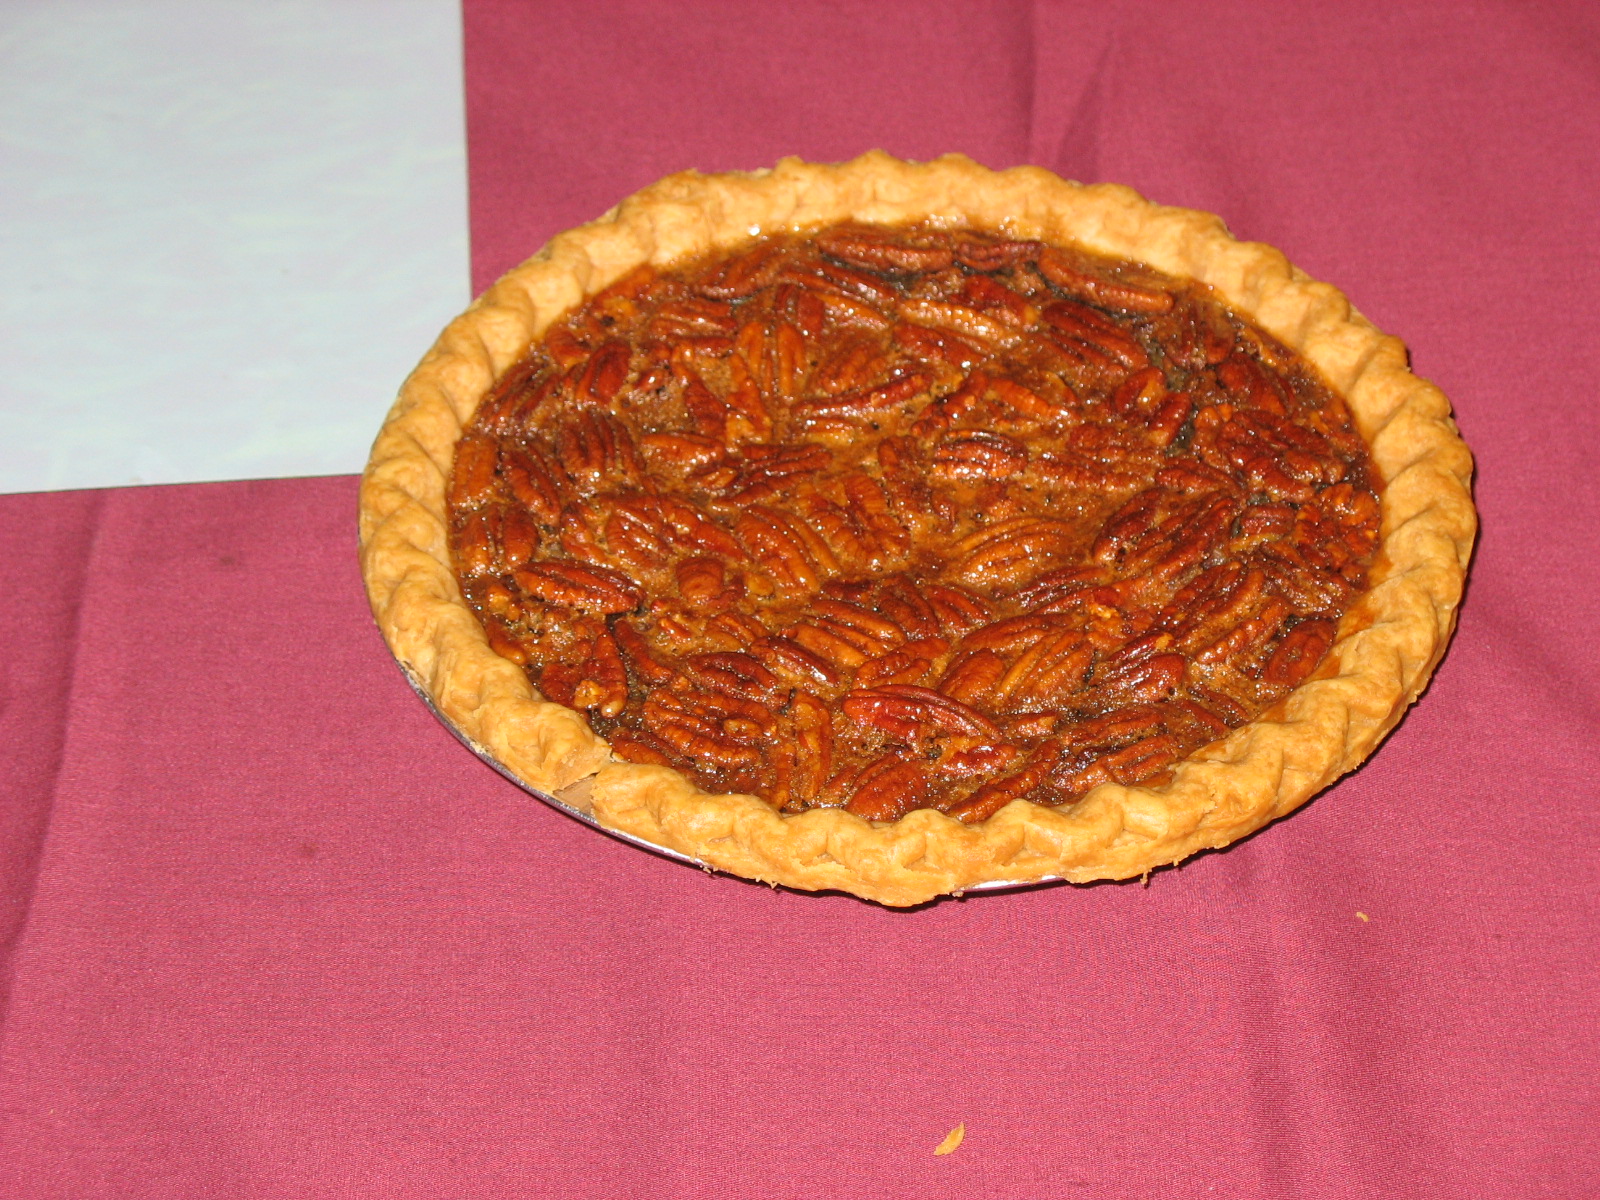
x=268 y=931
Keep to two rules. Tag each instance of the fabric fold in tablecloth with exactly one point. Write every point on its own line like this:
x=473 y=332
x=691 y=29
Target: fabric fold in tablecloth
x=50 y=540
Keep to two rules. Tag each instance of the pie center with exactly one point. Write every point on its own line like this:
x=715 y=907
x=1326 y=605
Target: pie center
x=894 y=518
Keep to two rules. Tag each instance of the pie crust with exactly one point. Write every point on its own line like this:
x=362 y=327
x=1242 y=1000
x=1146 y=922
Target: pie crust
x=1389 y=641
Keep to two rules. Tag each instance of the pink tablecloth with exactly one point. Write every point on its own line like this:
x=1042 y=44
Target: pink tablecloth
x=269 y=932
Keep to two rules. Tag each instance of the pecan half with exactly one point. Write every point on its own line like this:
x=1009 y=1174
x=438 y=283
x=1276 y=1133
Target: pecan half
x=581 y=586
x=889 y=788
x=1061 y=271
x=909 y=712
x=878 y=250
x=473 y=480
x=981 y=455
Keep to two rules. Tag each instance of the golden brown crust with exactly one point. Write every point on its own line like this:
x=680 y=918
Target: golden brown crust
x=1389 y=642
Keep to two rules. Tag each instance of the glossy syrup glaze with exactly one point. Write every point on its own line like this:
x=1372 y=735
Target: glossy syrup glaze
x=902 y=518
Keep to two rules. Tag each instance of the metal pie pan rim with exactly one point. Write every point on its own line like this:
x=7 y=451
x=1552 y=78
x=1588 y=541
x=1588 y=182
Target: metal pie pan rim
x=587 y=818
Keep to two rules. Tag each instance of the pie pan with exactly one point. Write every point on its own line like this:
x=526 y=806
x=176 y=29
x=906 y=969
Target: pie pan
x=1387 y=643
x=575 y=802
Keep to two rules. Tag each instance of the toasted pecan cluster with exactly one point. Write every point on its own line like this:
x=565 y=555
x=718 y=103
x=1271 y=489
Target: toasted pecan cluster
x=893 y=518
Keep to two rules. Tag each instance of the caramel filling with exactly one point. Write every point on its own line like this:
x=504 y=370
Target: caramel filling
x=901 y=518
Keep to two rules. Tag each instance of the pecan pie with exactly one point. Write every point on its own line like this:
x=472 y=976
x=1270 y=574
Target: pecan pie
x=899 y=528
